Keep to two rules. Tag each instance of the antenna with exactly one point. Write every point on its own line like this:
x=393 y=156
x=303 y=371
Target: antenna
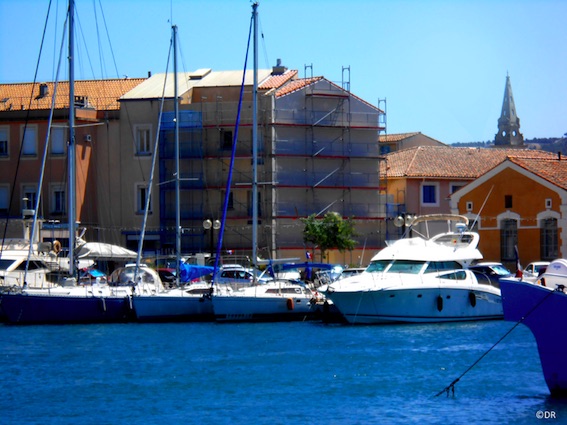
x=481 y=208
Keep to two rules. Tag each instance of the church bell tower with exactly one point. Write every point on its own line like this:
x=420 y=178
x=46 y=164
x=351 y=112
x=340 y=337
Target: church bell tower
x=508 y=123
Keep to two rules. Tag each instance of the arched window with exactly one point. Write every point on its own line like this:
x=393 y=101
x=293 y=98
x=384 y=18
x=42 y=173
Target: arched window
x=549 y=239
x=508 y=239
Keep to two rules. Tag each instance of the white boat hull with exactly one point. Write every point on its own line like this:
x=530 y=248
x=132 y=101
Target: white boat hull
x=417 y=305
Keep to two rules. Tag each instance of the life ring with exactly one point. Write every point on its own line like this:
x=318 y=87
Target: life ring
x=290 y=304
x=56 y=247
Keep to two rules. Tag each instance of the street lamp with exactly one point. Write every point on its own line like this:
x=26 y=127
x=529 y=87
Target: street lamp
x=212 y=226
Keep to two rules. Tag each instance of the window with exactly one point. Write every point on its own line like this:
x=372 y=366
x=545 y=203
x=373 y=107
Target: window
x=142 y=194
x=429 y=194
x=57 y=144
x=456 y=186
x=507 y=201
x=58 y=199
x=29 y=140
x=508 y=239
x=29 y=195
x=438 y=266
x=226 y=139
x=4 y=133
x=143 y=140
x=4 y=198
x=549 y=239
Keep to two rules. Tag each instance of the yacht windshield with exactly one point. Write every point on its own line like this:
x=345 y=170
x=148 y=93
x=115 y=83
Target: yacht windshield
x=406 y=266
x=5 y=264
x=377 y=266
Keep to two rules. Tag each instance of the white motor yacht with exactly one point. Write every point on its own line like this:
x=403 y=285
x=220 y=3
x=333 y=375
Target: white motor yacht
x=421 y=279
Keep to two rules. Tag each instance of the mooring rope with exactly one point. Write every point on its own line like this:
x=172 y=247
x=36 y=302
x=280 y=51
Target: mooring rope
x=451 y=386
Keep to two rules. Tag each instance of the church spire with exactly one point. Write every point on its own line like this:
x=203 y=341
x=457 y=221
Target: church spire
x=508 y=123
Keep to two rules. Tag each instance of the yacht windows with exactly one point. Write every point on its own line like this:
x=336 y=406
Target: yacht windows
x=457 y=275
x=406 y=266
x=34 y=265
x=437 y=266
x=5 y=264
x=377 y=266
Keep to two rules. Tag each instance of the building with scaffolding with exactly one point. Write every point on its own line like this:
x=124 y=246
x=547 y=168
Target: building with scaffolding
x=318 y=152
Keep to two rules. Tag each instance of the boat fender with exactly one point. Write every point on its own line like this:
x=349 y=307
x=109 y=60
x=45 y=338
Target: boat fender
x=440 y=303
x=290 y=304
x=472 y=299
x=103 y=304
x=56 y=247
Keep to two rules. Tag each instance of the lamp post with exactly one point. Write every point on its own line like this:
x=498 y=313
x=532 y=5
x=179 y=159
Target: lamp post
x=404 y=220
x=211 y=226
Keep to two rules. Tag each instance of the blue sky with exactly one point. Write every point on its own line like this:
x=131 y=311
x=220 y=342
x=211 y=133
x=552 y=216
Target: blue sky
x=440 y=64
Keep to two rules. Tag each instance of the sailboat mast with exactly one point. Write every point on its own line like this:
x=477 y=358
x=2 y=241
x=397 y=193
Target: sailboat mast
x=177 y=181
x=255 y=142
x=71 y=147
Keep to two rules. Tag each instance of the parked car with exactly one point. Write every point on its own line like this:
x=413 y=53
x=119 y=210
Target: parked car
x=534 y=270
x=238 y=276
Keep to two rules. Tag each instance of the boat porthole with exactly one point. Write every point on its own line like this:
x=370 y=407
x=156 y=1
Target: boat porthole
x=419 y=295
x=392 y=295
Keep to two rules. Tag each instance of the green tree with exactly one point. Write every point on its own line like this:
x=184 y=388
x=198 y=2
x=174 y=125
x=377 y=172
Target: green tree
x=331 y=231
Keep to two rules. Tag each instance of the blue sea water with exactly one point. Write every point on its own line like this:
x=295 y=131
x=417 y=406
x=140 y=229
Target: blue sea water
x=272 y=373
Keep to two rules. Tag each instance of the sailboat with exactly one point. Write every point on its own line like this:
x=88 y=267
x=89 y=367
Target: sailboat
x=277 y=299
x=96 y=303
x=183 y=303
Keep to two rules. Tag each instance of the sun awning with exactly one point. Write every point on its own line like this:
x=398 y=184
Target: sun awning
x=105 y=251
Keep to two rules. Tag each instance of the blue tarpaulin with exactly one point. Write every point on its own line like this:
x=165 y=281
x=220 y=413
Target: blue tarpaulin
x=188 y=272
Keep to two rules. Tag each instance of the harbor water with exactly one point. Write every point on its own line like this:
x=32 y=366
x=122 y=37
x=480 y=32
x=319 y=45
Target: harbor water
x=272 y=373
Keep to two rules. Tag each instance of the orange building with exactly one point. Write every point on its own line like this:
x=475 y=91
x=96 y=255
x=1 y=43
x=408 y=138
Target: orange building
x=520 y=202
x=24 y=123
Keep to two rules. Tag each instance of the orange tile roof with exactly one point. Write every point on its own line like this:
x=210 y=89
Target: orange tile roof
x=101 y=94
x=450 y=162
x=276 y=81
x=393 y=138
x=295 y=85
x=552 y=169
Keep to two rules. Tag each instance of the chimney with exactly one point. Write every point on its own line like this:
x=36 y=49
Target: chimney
x=43 y=91
x=559 y=155
x=278 y=69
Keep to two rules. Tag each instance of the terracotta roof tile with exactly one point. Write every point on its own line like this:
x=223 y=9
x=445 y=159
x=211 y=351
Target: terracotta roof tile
x=101 y=94
x=276 y=81
x=552 y=169
x=393 y=138
x=450 y=162
x=295 y=85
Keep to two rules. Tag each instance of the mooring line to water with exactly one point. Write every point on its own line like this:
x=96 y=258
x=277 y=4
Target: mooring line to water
x=451 y=386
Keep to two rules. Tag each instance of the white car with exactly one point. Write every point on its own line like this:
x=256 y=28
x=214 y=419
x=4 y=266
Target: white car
x=533 y=270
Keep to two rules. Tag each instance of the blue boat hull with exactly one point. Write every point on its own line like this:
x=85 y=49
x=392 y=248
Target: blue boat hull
x=51 y=309
x=544 y=312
